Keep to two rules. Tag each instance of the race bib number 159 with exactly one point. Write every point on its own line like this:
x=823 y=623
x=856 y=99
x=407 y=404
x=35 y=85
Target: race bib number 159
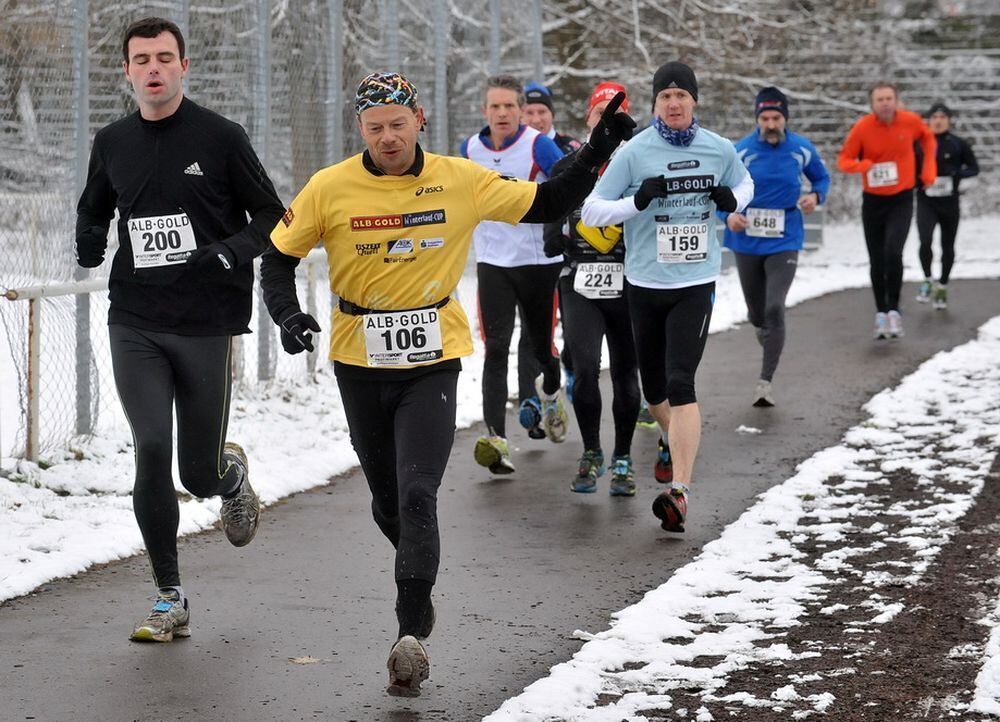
x=681 y=242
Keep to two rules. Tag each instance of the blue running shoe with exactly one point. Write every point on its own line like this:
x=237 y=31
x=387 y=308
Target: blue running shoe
x=622 y=481
x=530 y=417
x=569 y=385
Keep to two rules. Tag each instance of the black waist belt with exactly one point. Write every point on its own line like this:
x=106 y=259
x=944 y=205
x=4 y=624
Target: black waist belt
x=356 y=310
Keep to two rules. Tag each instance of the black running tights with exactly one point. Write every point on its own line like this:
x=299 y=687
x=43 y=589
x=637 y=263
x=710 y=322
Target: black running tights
x=931 y=212
x=403 y=431
x=155 y=372
x=886 y=220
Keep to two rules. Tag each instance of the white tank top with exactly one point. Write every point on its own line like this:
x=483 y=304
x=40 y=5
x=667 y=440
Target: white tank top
x=502 y=244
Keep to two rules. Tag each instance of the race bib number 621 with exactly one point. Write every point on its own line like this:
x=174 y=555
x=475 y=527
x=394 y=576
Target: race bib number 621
x=885 y=174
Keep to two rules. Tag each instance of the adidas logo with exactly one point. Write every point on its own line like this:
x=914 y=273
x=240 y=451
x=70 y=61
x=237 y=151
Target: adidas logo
x=193 y=169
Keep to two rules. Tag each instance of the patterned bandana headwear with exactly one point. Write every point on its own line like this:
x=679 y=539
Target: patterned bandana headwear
x=385 y=89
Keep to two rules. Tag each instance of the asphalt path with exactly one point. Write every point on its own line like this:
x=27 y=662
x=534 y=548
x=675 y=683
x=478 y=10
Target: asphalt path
x=298 y=625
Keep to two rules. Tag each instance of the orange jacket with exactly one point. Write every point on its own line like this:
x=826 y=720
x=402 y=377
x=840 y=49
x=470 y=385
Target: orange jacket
x=871 y=141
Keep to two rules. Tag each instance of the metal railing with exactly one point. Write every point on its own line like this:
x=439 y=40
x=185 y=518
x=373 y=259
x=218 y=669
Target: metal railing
x=36 y=295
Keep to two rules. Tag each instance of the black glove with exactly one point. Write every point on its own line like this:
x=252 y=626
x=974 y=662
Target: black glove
x=295 y=334
x=655 y=187
x=608 y=134
x=554 y=243
x=90 y=247
x=723 y=198
x=213 y=258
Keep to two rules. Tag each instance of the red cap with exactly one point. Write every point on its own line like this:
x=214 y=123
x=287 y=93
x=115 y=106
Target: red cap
x=606 y=91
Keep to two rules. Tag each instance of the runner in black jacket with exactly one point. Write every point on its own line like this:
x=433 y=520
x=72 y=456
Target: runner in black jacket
x=938 y=203
x=183 y=180
x=594 y=308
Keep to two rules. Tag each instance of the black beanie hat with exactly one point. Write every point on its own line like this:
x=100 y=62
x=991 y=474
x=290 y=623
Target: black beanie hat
x=538 y=93
x=939 y=107
x=675 y=75
x=770 y=98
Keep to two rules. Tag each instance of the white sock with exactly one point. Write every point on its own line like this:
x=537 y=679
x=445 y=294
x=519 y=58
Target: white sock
x=548 y=397
x=682 y=488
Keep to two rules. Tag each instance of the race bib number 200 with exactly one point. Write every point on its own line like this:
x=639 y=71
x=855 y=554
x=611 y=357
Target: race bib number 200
x=161 y=240
x=403 y=338
x=681 y=242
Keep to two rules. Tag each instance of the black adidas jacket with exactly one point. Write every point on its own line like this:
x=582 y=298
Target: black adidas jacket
x=199 y=163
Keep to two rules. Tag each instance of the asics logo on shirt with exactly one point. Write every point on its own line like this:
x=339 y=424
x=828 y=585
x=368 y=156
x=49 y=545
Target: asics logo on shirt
x=193 y=169
x=428 y=190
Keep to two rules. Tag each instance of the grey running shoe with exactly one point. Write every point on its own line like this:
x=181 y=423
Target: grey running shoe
x=169 y=618
x=554 y=418
x=881 y=326
x=408 y=667
x=241 y=513
x=762 y=394
x=895 y=323
x=645 y=418
x=622 y=483
x=493 y=453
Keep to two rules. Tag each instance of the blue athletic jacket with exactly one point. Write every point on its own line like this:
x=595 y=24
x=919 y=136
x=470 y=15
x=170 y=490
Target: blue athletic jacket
x=777 y=172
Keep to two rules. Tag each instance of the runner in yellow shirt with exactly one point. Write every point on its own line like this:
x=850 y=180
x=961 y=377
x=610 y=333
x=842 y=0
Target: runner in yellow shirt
x=396 y=223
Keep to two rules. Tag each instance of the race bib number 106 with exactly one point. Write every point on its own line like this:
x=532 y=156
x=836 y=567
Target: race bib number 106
x=403 y=338
x=161 y=240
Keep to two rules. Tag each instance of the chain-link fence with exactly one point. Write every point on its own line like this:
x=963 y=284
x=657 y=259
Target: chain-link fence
x=286 y=70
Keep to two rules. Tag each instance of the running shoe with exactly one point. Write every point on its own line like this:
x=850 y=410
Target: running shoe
x=408 y=666
x=645 y=419
x=591 y=467
x=926 y=288
x=895 y=323
x=530 y=417
x=493 y=453
x=663 y=470
x=881 y=326
x=241 y=512
x=670 y=507
x=570 y=377
x=762 y=394
x=554 y=418
x=169 y=618
x=941 y=297
x=622 y=481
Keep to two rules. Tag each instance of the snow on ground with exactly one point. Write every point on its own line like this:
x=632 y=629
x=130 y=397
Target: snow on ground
x=76 y=511
x=730 y=605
